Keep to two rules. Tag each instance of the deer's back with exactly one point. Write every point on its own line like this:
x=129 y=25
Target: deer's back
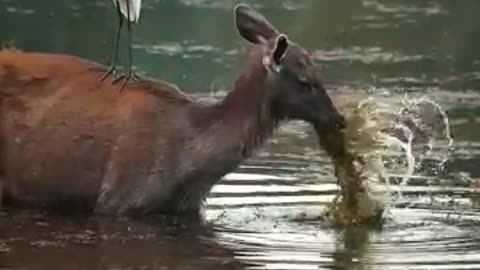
x=67 y=138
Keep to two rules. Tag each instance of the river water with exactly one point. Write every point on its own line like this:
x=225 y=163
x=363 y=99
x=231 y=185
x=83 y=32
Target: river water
x=385 y=49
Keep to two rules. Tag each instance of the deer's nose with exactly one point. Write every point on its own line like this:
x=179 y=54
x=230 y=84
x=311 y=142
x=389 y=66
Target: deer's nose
x=341 y=122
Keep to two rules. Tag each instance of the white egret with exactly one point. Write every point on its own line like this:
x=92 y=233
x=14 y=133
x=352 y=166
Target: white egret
x=129 y=9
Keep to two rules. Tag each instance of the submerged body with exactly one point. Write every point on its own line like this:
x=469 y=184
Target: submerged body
x=68 y=142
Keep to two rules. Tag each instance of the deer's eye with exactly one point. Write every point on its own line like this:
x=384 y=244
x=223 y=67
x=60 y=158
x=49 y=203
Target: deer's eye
x=305 y=84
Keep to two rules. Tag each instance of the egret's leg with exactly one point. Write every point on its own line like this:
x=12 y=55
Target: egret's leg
x=130 y=62
x=130 y=75
x=1 y=193
x=112 y=69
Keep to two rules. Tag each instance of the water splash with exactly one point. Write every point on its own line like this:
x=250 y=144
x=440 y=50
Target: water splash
x=432 y=120
x=389 y=141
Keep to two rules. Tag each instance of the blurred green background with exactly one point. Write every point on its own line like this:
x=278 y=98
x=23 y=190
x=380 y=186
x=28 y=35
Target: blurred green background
x=400 y=44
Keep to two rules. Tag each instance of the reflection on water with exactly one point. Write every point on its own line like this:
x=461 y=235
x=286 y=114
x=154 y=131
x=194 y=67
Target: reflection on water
x=420 y=47
x=34 y=241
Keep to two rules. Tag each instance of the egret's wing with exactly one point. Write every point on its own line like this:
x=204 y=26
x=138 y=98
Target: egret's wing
x=135 y=7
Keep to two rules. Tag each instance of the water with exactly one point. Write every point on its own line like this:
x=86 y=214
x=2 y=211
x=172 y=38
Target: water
x=390 y=48
x=386 y=140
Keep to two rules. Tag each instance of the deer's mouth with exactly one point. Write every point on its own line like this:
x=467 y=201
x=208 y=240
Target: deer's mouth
x=332 y=139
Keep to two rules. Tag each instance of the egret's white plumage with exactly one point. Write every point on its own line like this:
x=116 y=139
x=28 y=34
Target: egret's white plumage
x=134 y=8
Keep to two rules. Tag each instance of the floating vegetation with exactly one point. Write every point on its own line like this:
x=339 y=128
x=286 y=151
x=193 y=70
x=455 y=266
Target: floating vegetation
x=383 y=142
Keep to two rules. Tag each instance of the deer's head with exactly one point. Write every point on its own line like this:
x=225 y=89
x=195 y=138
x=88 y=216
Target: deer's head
x=292 y=79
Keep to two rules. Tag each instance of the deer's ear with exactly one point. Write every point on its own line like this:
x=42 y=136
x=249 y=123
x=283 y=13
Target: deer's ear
x=280 y=49
x=274 y=58
x=252 y=26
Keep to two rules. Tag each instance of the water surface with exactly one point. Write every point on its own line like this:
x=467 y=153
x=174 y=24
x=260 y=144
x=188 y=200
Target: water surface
x=384 y=48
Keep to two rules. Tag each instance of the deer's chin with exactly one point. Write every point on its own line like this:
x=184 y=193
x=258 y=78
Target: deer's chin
x=329 y=122
x=331 y=139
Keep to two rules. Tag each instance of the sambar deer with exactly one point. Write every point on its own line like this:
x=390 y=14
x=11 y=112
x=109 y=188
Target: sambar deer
x=71 y=142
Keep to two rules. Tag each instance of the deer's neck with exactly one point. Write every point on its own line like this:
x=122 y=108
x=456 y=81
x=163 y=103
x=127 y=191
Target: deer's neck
x=245 y=114
x=224 y=135
x=229 y=132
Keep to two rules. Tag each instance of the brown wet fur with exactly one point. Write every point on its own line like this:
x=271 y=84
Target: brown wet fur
x=71 y=142
x=64 y=132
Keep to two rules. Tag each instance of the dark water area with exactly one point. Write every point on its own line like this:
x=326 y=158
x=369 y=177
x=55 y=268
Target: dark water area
x=385 y=49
